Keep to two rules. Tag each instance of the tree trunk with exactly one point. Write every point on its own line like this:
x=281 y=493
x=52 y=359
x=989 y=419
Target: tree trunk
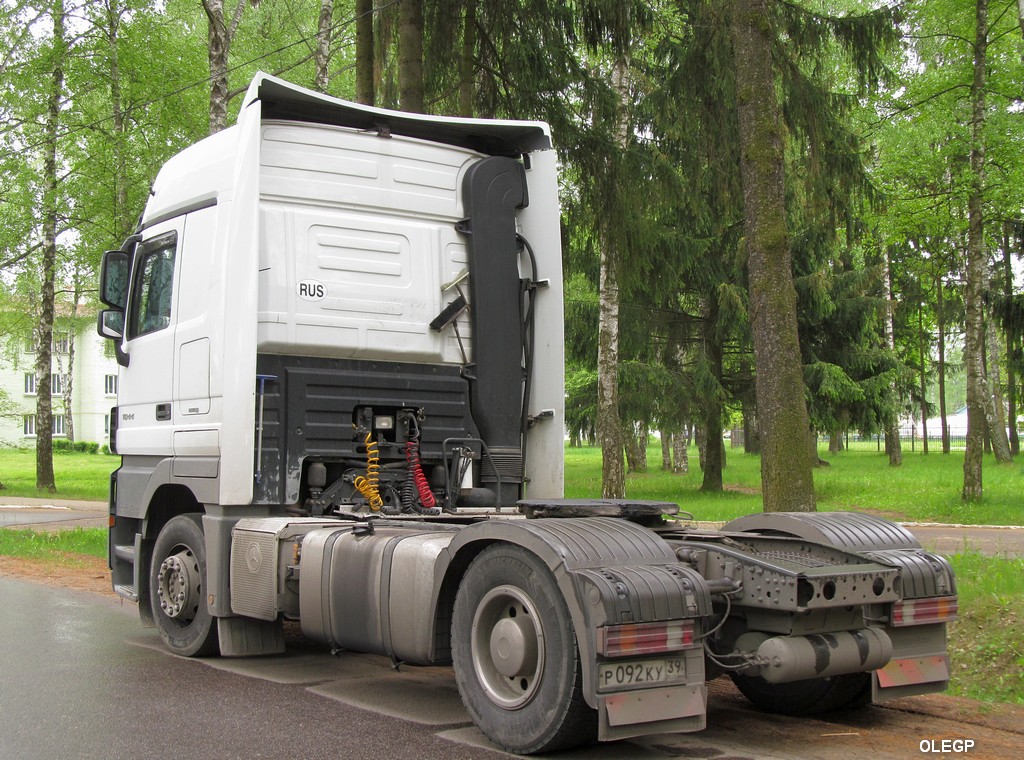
x=384 y=18
x=922 y=348
x=680 y=451
x=322 y=53
x=1020 y=19
x=786 y=474
x=123 y=222
x=995 y=413
x=67 y=389
x=636 y=448
x=365 y=71
x=467 y=64
x=609 y=430
x=714 y=460
x=812 y=449
x=893 y=449
x=48 y=264
x=1011 y=375
x=751 y=439
x=975 y=270
x=219 y=36
x=218 y=46
x=940 y=319
x=410 y=56
x=666 y=451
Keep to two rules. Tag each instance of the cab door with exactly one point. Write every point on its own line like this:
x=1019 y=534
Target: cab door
x=145 y=412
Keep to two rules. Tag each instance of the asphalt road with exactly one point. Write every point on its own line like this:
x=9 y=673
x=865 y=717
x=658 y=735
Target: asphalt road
x=80 y=678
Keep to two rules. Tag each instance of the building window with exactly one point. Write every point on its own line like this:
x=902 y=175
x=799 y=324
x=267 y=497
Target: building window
x=106 y=424
x=56 y=384
x=56 y=424
x=110 y=385
x=61 y=342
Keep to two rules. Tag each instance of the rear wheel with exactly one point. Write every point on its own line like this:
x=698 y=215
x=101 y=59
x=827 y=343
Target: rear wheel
x=810 y=697
x=515 y=654
x=177 y=588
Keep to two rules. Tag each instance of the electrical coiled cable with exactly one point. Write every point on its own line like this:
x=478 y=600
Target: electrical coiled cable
x=416 y=475
x=369 y=486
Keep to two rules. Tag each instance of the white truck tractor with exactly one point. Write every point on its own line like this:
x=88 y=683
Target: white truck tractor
x=339 y=332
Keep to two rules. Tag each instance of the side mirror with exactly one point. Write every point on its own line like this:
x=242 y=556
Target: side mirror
x=110 y=325
x=114 y=281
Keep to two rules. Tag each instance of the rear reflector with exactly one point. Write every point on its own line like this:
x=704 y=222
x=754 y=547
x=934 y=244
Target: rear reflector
x=936 y=609
x=644 y=638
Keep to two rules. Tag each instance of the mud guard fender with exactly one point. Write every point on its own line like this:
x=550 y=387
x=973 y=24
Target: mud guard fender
x=602 y=566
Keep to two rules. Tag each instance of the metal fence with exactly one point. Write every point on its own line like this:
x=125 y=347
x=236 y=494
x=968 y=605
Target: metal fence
x=910 y=440
x=911 y=437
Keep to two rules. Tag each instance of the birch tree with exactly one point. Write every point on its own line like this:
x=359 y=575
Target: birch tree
x=975 y=271
x=48 y=262
x=222 y=25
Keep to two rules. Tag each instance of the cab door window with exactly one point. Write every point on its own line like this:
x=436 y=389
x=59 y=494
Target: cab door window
x=153 y=286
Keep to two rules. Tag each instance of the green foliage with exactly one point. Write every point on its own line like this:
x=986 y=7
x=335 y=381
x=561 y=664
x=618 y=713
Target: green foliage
x=876 y=128
x=64 y=446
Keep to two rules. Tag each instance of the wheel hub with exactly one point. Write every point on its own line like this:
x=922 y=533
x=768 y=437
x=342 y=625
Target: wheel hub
x=508 y=646
x=178 y=586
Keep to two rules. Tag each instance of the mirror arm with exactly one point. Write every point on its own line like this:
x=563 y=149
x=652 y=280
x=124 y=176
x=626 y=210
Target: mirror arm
x=122 y=356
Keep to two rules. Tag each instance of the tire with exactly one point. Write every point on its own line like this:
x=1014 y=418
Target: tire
x=177 y=588
x=810 y=697
x=516 y=660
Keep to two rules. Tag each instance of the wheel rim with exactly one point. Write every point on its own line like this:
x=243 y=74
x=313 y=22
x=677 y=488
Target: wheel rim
x=507 y=647
x=178 y=585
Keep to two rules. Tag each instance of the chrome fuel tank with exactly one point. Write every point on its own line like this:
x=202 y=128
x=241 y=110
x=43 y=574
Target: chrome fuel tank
x=370 y=590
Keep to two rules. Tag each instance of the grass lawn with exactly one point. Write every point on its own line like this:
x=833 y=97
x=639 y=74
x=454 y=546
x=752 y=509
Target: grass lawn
x=986 y=644
x=57 y=546
x=78 y=476
x=925 y=489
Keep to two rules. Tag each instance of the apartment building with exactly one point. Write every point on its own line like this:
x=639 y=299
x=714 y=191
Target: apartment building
x=93 y=380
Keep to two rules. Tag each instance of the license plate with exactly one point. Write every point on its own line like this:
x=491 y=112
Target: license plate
x=618 y=675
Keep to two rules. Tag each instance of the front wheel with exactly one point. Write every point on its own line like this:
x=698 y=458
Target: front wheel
x=177 y=588
x=516 y=659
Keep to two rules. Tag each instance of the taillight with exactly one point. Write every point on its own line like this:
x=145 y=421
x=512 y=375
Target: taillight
x=644 y=638
x=936 y=609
